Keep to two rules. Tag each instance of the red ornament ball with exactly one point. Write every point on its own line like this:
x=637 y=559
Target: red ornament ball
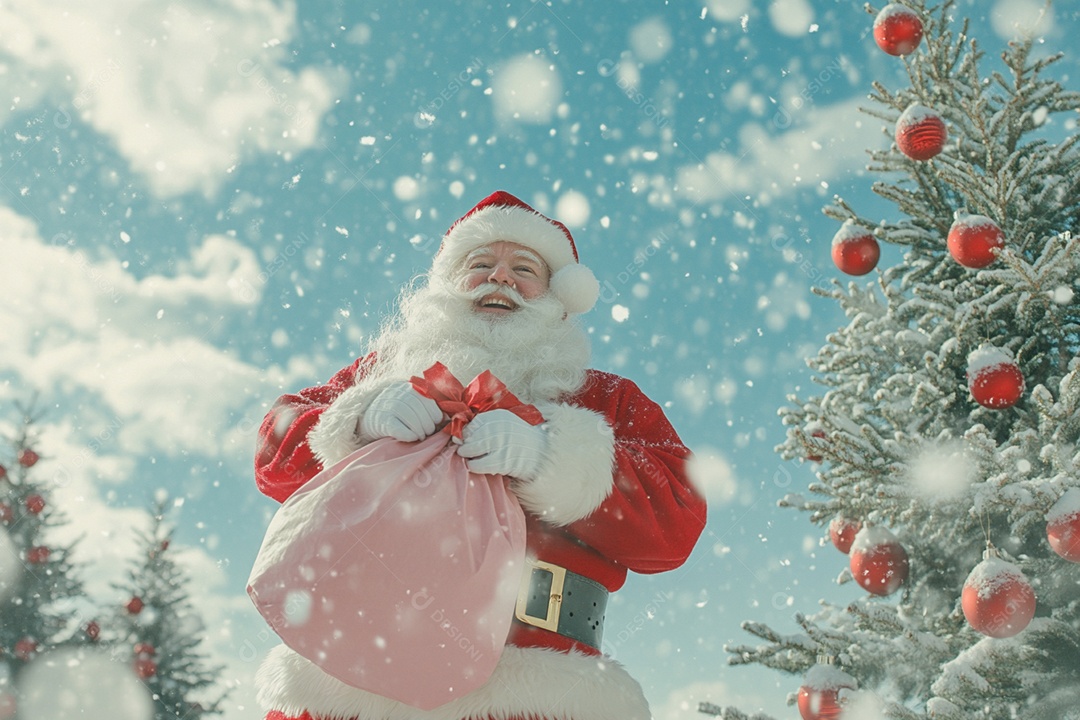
x=994 y=379
x=3 y=472
x=145 y=668
x=879 y=562
x=92 y=630
x=37 y=555
x=25 y=648
x=842 y=533
x=997 y=599
x=145 y=649
x=974 y=240
x=898 y=30
x=1063 y=526
x=920 y=133
x=823 y=692
x=134 y=605
x=27 y=457
x=6 y=513
x=854 y=250
x=35 y=504
x=819 y=704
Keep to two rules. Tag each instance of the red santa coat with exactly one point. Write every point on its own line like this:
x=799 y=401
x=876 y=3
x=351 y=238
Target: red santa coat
x=612 y=495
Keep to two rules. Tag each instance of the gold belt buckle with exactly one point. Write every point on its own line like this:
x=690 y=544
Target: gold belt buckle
x=558 y=577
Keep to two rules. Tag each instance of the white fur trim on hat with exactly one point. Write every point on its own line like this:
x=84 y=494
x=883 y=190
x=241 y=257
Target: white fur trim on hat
x=576 y=287
x=572 y=283
x=513 y=224
x=527 y=682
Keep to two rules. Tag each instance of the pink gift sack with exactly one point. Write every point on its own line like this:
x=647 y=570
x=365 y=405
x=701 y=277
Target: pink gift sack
x=396 y=570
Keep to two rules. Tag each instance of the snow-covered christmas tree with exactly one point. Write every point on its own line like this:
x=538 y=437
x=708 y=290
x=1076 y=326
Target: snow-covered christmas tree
x=946 y=437
x=39 y=587
x=159 y=630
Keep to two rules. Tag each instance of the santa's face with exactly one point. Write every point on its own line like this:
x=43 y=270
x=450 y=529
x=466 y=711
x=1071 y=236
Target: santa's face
x=491 y=311
x=506 y=265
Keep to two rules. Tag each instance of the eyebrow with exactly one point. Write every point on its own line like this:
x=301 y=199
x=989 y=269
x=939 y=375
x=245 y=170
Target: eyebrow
x=526 y=254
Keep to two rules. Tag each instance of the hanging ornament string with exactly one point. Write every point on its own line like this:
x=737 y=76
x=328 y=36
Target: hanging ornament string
x=984 y=524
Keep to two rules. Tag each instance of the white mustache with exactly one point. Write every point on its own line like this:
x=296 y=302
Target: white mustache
x=486 y=289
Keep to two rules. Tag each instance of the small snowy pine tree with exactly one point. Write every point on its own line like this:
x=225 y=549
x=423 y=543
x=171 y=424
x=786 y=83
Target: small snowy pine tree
x=902 y=441
x=39 y=591
x=159 y=630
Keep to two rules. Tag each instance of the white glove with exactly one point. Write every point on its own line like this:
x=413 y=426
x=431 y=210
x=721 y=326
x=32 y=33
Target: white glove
x=499 y=442
x=401 y=413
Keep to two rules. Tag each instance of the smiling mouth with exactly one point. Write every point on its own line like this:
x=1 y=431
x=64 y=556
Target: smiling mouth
x=497 y=303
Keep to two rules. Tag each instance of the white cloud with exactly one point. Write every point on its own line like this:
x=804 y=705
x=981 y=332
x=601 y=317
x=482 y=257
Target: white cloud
x=526 y=88
x=132 y=351
x=183 y=90
x=821 y=144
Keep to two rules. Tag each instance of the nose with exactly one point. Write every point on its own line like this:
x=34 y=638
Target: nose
x=501 y=274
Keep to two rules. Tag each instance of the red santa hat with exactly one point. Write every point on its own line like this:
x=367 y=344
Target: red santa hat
x=501 y=216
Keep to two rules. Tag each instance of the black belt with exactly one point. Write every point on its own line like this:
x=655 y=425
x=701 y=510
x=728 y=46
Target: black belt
x=556 y=599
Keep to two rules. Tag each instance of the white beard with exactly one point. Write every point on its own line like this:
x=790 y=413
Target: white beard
x=535 y=350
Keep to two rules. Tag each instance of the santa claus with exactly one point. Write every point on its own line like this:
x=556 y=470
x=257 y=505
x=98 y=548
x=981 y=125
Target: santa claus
x=603 y=480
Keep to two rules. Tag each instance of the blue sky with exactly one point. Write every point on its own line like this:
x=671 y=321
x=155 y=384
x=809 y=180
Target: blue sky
x=206 y=204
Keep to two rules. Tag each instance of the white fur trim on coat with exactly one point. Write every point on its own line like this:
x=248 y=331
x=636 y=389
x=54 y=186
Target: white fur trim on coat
x=532 y=682
x=334 y=436
x=577 y=473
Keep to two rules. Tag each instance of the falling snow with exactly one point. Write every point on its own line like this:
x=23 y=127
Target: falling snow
x=225 y=206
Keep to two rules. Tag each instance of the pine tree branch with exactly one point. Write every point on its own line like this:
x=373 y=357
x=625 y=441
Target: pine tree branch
x=730 y=713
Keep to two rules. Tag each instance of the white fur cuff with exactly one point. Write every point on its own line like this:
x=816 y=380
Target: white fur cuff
x=576 y=476
x=527 y=682
x=334 y=436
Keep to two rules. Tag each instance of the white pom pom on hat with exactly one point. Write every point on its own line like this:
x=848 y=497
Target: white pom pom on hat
x=501 y=216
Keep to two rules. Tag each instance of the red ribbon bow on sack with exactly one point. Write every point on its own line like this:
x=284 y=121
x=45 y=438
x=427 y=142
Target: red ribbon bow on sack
x=462 y=404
